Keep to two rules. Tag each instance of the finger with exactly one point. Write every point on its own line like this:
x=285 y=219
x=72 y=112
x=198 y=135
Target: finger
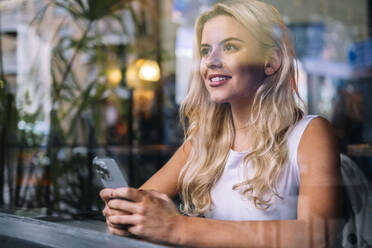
x=119 y=232
x=124 y=206
x=105 y=194
x=119 y=212
x=118 y=226
x=136 y=230
x=133 y=219
x=107 y=211
x=131 y=194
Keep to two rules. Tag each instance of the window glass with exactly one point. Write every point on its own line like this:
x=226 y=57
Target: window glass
x=102 y=80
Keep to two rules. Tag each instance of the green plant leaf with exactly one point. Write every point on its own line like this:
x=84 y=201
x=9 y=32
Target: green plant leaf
x=85 y=99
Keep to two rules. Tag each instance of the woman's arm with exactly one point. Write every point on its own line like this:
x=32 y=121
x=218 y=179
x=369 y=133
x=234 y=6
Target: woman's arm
x=319 y=207
x=322 y=201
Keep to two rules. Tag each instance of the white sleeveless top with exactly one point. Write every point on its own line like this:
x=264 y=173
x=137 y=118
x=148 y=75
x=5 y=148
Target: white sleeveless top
x=229 y=204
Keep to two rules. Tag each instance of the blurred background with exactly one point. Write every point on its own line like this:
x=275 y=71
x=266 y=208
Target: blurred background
x=81 y=78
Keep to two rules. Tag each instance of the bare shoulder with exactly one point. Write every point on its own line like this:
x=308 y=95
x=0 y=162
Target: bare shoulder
x=317 y=152
x=318 y=135
x=318 y=127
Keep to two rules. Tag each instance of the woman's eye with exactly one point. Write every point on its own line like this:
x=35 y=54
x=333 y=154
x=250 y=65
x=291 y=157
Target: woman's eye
x=230 y=47
x=204 y=51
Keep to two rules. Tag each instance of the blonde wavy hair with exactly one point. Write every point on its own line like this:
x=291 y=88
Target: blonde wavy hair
x=210 y=128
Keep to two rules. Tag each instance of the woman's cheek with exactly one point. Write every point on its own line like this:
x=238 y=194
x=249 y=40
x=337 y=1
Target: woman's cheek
x=202 y=69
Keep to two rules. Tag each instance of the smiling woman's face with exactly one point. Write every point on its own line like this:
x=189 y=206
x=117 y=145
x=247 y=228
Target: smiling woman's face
x=231 y=65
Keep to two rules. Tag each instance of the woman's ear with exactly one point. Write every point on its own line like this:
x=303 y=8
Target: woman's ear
x=273 y=62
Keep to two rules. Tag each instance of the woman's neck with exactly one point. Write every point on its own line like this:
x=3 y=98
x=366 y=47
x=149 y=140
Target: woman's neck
x=241 y=114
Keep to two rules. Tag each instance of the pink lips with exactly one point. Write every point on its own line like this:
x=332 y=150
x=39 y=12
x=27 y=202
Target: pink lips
x=221 y=79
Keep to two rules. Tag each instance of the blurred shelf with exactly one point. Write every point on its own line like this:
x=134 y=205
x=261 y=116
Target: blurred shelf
x=11 y=32
x=359 y=150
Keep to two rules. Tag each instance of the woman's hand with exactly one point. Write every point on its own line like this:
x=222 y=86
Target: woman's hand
x=152 y=214
x=105 y=194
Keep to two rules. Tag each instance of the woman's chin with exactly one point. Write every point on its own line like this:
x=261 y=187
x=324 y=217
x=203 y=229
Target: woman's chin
x=219 y=100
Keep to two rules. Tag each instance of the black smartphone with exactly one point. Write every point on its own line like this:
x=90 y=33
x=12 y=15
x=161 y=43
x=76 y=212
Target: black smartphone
x=109 y=173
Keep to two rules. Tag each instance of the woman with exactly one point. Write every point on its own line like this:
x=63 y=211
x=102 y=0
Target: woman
x=253 y=171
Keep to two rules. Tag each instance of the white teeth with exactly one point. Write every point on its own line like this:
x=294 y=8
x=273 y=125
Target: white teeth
x=215 y=79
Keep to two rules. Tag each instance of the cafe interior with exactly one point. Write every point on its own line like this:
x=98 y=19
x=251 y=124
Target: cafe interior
x=80 y=79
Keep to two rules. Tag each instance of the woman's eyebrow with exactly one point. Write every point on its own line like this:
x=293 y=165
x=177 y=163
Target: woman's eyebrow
x=231 y=39
x=205 y=45
x=223 y=41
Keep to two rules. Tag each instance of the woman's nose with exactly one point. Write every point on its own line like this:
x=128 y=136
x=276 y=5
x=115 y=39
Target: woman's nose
x=214 y=59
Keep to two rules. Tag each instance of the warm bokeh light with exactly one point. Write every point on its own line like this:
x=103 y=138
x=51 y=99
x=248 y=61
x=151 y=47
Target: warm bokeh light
x=143 y=100
x=114 y=76
x=131 y=74
x=149 y=71
x=141 y=71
